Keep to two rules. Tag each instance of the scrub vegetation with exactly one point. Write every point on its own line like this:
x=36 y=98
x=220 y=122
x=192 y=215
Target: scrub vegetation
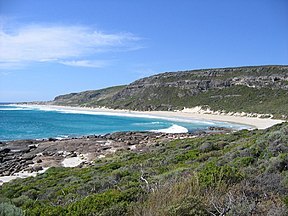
x=242 y=173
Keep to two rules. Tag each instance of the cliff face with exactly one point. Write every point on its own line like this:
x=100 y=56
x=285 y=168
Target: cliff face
x=262 y=76
x=175 y=90
x=171 y=88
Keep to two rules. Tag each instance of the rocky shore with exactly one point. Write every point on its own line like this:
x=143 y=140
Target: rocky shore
x=32 y=156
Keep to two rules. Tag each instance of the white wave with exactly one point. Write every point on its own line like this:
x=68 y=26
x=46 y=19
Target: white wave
x=61 y=137
x=13 y=109
x=155 y=123
x=173 y=129
x=47 y=109
x=147 y=123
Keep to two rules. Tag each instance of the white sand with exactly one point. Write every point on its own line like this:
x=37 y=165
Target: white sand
x=191 y=114
x=101 y=156
x=22 y=174
x=67 y=162
x=132 y=147
x=74 y=161
x=254 y=122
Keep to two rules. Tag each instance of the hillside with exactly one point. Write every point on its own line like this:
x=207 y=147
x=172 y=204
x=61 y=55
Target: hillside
x=258 y=89
x=88 y=98
x=244 y=173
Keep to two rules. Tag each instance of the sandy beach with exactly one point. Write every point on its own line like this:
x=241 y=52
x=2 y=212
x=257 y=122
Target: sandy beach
x=188 y=114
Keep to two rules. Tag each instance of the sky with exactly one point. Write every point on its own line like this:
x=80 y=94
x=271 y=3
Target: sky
x=53 y=47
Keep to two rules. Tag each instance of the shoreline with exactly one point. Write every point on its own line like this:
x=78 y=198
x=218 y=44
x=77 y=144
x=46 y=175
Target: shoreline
x=185 y=115
x=70 y=153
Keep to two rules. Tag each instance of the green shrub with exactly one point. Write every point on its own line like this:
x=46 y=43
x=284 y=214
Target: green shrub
x=189 y=207
x=20 y=201
x=189 y=155
x=243 y=161
x=95 y=204
x=110 y=166
x=212 y=175
x=46 y=210
x=7 y=209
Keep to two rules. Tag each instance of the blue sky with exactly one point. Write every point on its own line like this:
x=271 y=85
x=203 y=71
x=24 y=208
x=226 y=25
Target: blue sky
x=52 y=47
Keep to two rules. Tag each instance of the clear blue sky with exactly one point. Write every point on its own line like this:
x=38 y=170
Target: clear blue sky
x=52 y=47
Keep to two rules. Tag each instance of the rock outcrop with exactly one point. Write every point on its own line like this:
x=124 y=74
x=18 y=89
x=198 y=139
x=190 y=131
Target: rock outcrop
x=34 y=155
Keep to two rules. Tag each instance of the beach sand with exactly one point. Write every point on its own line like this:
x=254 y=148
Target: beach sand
x=190 y=114
x=22 y=174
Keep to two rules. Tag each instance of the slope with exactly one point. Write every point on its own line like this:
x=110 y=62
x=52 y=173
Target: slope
x=260 y=89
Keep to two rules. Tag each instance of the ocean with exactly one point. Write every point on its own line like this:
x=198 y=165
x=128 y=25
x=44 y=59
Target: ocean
x=18 y=122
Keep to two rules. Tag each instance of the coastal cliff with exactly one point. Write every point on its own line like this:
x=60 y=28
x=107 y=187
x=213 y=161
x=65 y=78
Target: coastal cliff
x=258 y=89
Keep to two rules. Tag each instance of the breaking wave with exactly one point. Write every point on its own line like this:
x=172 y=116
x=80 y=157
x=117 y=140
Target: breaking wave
x=173 y=129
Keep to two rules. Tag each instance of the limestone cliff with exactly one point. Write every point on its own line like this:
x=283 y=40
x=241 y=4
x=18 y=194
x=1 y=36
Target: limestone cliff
x=249 y=89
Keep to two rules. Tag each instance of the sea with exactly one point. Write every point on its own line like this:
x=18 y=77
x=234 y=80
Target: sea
x=19 y=122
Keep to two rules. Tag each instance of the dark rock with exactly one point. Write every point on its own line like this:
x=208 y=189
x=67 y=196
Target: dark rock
x=132 y=143
x=39 y=160
x=37 y=168
x=212 y=128
x=8 y=158
x=52 y=139
x=106 y=148
x=5 y=150
x=28 y=157
x=32 y=146
x=23 y=150
x=34 y=169
x=6 y=173
x=73 y=154
x=29 y=162
x=47 y=153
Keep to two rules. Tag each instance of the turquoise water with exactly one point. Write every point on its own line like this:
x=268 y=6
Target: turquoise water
x=30 y=123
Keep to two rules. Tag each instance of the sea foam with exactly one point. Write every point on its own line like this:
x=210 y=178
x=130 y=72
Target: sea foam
x=173 y=129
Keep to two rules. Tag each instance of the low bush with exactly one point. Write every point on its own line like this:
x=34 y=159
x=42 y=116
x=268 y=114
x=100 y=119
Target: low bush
x=7 y=209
